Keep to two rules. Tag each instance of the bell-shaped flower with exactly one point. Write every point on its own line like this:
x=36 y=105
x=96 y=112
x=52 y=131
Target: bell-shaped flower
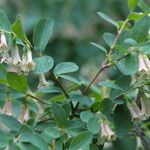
x=107 y=135
x=6 y=58
x=139 y=145
x=7 y=107
x=135 y=111
x=27 y=63
x=42 y=81
x=145 y=105
x=144 y=63
x=24 y=114
x=15 y=56
x=3 y=42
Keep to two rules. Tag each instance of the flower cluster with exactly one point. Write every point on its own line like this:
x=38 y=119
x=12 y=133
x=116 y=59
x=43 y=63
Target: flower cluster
x=8 y=110
x=14 y=61
x=136 y=112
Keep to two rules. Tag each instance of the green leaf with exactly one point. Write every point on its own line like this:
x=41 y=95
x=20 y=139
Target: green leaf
x=34 y=139
x=80 y=140
x=70 y=79
x=109 y=84
x=3 y=72
x=43 y=64
x=65 y=67
x=135 y=16
x=49 y=89
x=122 y=121
x=107 y=108
x=108 y=19
x=4 y=22
x=18 y=29
x=83 y=100
x=132 y=4
x=109 y=38
x=4 y=139
x=59 y=114
x=141 y=29
x=17 y=82
x=10 y=122
x=124 y=83
x=93 y=124
x=144 y=6
x=130 y=42
x=42 y=33
x=86 y=115
x=52 y=132
x=99 y=47
x=129 y=65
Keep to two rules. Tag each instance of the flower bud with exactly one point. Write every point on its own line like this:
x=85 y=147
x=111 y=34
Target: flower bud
x=15 y=56
x=42 y=81
x=107 y=134
x=3 y=42
x=144 y=63
x=24 y=114
x=7 y=107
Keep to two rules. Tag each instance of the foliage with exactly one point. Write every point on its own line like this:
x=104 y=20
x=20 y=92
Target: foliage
x=65 y=110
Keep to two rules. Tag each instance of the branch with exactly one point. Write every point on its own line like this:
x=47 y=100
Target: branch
x=105 y=63
x=36 y=98
x=60 y=85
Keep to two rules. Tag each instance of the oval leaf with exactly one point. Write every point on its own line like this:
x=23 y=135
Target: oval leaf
x=108 y=19
x=65 y=67
x=129 y=65
x=43 y=64
x=17 y=82
x=81 y=140
x=42 y=33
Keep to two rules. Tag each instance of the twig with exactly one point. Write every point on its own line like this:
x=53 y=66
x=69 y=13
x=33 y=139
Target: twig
x=60 y=85
x=105 y=63
x=36 y=98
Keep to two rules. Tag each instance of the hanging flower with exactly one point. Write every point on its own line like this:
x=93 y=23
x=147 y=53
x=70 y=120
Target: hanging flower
x=107 y=134
x=24 y=114
x=139 y=145
x=27 y=63
x=3 y=42
x=42 y=81
x=13 y=68
x=144 y=63
x=135 y=111
x=15 y=56
x=7 y=107
x=6 y=58
x=145 y=105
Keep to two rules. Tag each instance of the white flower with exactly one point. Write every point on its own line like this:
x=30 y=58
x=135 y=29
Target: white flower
x=7 y=107
x=144 y=63
x=6 y=58
x=13 y=68
x=135 y=111
x=107 y=134
x=27 y=63
x=3 y=42
x=24 y=114
x=42 y=81
x=15 y=56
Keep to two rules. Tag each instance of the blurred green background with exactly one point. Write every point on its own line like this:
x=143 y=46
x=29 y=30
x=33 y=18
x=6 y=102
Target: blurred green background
x=76 y=25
